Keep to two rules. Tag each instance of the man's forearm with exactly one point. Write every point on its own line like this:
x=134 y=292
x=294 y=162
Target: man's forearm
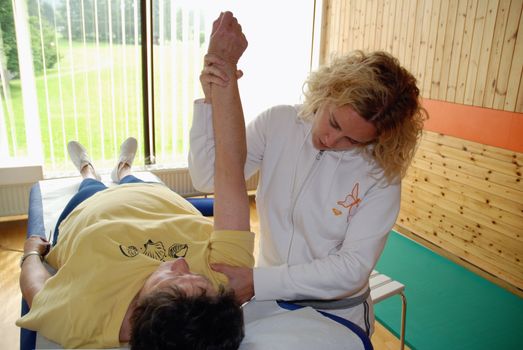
x=32 y=277
x=232 y=207
x=229 y=125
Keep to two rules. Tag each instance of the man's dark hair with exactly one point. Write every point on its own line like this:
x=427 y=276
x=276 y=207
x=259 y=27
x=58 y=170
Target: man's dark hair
x=173 y=320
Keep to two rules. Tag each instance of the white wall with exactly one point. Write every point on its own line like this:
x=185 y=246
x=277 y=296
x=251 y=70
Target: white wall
x=278 y=58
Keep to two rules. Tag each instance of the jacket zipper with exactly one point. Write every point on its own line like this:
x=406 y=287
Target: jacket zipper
x=295 y=198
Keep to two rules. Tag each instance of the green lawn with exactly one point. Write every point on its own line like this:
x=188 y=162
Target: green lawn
x=94 y=96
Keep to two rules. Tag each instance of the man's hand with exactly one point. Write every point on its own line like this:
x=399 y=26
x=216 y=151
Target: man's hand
x=227 y=40
x=240 y=279
x=36 y=243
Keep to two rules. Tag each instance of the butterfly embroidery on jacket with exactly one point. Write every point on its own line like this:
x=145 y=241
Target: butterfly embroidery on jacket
x=351 y=202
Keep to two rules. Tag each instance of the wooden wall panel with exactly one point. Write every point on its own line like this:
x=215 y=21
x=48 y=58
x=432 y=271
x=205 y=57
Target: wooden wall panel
x=441 y=84
x=466 y=48
x=467 y=199
x=457 y=43
x=462 y=51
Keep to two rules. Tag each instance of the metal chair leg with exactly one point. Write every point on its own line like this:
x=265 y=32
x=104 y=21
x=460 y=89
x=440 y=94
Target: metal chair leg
x=403 y=319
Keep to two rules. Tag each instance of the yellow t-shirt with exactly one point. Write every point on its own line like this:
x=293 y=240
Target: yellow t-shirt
x=107 y=248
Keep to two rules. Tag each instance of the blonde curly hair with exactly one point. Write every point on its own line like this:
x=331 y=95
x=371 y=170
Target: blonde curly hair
x=383 y=93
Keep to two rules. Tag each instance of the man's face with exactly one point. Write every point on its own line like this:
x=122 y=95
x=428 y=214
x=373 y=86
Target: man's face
x=340 y=129
x=175 y=273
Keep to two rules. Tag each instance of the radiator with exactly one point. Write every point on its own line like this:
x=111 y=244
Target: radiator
x=14 y=198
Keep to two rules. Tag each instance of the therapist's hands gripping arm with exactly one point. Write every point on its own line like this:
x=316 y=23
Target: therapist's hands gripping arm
x=213 y=73
x=202 y=143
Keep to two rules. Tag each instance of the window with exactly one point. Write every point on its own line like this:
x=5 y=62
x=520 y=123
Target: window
x=72 y=69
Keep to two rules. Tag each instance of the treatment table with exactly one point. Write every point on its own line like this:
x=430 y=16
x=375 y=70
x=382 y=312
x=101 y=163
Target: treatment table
x=268 y=324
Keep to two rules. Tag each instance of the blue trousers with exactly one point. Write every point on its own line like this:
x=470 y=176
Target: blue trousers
x=87 y=188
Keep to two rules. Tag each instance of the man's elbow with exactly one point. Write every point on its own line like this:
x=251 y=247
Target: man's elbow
x=28 y=293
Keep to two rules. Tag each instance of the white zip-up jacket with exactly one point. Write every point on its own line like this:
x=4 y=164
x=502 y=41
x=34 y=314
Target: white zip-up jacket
x=324 y=216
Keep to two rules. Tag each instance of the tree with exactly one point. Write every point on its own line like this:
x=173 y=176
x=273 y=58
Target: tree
x=7 y=26
x=36 y=47
x=71 y=11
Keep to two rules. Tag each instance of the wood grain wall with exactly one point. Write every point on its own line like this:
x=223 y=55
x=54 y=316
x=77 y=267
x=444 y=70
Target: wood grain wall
x=461 y=51
x=460 y=197
x=467 y=198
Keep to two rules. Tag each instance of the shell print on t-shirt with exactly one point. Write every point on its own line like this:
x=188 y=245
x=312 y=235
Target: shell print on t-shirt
x=156 y=250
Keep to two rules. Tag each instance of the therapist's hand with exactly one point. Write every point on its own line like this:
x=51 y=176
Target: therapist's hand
x=240 y=279
x=213 y=72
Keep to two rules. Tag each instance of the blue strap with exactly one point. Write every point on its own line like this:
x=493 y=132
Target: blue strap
x=367 y=345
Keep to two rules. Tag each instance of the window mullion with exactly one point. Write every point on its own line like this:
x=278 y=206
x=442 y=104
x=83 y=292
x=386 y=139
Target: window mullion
x=146 y=10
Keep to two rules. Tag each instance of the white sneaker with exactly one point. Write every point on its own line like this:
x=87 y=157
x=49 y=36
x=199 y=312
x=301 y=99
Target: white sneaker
x=79 y=157
x=127 y=153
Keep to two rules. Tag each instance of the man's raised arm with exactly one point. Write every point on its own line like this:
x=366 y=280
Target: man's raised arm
x=231 y=204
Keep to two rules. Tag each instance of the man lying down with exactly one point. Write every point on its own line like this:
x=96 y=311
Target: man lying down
x=133 y=261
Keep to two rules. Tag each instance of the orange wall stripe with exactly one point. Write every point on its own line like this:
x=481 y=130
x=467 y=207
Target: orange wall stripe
x=483 y=125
